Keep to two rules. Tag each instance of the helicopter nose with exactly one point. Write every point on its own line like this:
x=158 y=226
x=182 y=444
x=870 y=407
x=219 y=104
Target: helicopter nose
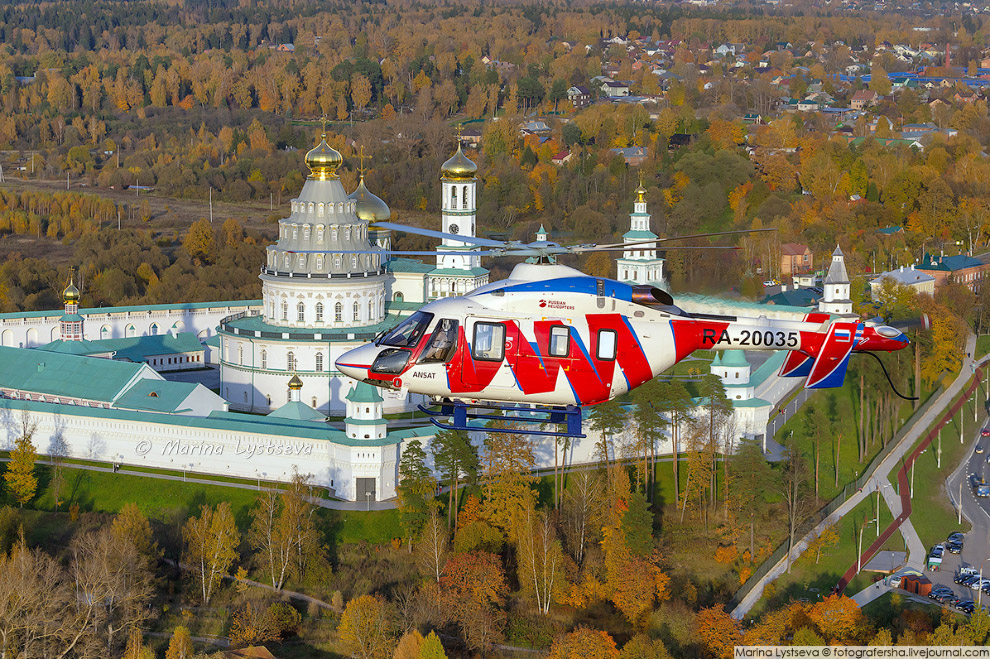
x=355 y=363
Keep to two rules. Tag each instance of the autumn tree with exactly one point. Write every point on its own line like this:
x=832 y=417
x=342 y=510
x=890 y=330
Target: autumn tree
x=607 y=419
x=472 y=591
x=792 y=486
x=839 y=619
x=432 y=549
x=201 y=243
x=132 y=525
x=581 y=513
x=541 y=558
x=584 y=643
x=366 y=628
x=432 y=647
x=210 y=546
x=718 y=632
x=283 y=533
x=507 y=478
x=409 y=646
x=181 y=645
x=20 y=477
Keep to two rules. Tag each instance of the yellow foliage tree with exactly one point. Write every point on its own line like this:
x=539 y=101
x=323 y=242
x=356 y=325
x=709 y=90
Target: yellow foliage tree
x=19 y=476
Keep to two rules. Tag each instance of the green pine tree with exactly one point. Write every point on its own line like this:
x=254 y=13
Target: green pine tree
x=432 y=648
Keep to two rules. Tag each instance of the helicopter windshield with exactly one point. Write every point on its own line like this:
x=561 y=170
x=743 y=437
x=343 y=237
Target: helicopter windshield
x=442 y=344
x=408 y=333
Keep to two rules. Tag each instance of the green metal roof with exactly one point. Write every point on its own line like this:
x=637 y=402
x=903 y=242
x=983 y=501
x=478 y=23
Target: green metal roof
x=639 y=235
x=59 y=374
x=84 y=348
x=299 y=411
x=734 y=359
x=144 y=308
x=770 y=367
x=408 y=265
x=156 y=396
x=363 y=392
x=446 y=272
x=139 y=348
x=71 y=318
x=751 y=402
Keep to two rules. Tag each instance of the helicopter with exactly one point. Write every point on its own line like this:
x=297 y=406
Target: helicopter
x=539 y=346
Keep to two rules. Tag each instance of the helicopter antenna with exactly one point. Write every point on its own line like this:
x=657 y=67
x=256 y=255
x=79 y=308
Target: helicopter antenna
x=889 y=381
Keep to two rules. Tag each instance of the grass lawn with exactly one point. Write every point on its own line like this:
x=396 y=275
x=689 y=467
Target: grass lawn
x=982 y=345
x=809 y=581
x=932 y=513
x=167 y=500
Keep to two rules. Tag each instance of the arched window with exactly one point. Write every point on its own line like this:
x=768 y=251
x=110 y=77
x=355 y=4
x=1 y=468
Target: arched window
x=333 y=233
x=357 y=312
x=319 y=233
x=295 y=232
x=264 y=359
x=371 y=310
x=319 y=262
x=353 y=260
x=453 y=196
x=154 y=329
x=464 y=197
x=319 y=210
x=319 y=312
x=319 y=362
x=347 y=233
x=285 y=310
x=302 y=261
x=306 y=232
x=287 y=262
x=338 y=312
x=398 y=297
x=300 y=312
x=314 y=402
x=290 y=361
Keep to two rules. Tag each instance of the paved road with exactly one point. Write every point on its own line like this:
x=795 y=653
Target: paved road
x=894 y=458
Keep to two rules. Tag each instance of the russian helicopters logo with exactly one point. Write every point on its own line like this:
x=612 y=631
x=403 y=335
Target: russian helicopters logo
x=555 y=304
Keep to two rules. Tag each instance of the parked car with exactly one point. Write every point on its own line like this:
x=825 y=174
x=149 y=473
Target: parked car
x=943 y=596
x=978 y=584
x=960 y=577
x=894 y=581
x=966 y=606
x=968 y=570
x=939 y=590
x=956 y=537
x=969 y=580
x=954 y=547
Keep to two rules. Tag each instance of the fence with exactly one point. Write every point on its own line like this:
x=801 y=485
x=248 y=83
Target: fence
x=834 y=504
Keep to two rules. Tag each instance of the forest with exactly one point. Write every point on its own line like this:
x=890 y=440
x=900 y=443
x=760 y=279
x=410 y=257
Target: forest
x=200 y=101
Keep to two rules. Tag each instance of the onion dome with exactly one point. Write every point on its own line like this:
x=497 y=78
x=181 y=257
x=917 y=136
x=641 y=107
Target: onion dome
x=369 y=206
x=295 y=384
x=323 y=160
x=640 y=193
x=459 y=167
x=71 y=294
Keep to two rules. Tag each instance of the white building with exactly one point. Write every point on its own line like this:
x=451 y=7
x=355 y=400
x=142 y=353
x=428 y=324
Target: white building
x=917 y=280
x=835 y=298
x=458 y=268
x=640 y=265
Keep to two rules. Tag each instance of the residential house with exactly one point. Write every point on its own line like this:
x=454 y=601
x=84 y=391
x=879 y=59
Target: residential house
x=579 y=96
x=863 y=98
x=921 y=282
x=471 y=135
x=562 y=158
x=962 y=269
x=615 y=88
x=633 y=155
x=795 y=258
x=534 y=127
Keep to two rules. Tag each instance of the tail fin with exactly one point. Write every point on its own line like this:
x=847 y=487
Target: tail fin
x=829 y=368
x=797 y=365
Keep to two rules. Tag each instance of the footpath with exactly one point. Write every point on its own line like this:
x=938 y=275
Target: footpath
x=901 y=507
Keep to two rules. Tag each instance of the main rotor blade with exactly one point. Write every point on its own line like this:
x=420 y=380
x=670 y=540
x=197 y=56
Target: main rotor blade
x=484 y=242
x=595 y=248
x=694 y=235
x=466 y=252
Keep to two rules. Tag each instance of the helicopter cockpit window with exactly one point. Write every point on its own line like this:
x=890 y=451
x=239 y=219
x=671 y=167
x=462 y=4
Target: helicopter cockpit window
x=390 y=362
x=489 y=342
x=408 y=333
x=606 y=344
x=560 y=341
x=443 y=344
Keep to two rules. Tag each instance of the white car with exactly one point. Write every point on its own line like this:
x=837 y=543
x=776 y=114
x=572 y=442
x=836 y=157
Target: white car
x=980 y=584
x=894 y=582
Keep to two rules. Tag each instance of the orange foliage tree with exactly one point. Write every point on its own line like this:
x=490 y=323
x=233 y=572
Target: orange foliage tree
x=584 y=643
x=838 y=618
x=718 y=632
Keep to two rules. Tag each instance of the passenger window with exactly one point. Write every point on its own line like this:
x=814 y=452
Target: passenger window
x=489 y=342
x=606 y=344
x=560 y=341
x=443 y=343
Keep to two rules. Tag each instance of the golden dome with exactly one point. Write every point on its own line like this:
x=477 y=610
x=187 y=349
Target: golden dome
x=295 y=383
x=71 y=294
x=459 y=167
x=369 y=206
x=640 y=193
x=323 y=160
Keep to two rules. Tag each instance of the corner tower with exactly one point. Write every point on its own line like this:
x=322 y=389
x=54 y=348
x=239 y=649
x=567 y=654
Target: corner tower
x=640 y=265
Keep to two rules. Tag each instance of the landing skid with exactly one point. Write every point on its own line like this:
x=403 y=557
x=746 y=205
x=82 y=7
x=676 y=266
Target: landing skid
x=567 y=419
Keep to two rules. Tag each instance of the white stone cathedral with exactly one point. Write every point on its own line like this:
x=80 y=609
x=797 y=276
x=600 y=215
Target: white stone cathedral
x=640 y=265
